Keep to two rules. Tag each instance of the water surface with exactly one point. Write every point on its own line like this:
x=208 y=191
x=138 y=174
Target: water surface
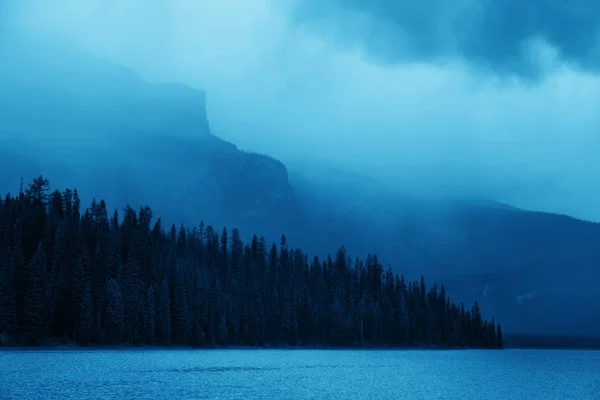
x=299 y=374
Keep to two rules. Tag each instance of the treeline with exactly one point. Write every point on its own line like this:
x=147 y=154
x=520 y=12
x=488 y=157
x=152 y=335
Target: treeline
x=100 y=279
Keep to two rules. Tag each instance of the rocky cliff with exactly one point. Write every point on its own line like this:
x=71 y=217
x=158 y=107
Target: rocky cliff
x=88 y=123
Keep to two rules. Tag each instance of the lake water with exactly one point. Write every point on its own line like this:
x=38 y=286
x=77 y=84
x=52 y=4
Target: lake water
x=299 y=374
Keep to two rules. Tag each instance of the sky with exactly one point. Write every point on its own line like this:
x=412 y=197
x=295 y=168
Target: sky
x=492 y=99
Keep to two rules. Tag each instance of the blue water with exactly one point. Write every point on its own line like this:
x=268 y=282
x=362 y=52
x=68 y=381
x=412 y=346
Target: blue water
x=300 y=374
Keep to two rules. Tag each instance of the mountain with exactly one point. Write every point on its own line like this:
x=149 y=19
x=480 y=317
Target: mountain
x=95 y=125
x=90 y=124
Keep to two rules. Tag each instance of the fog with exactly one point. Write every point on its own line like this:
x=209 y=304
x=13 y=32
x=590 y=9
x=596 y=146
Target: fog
x=444 y=103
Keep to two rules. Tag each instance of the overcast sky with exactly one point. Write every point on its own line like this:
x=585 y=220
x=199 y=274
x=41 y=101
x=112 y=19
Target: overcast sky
x=499 y=99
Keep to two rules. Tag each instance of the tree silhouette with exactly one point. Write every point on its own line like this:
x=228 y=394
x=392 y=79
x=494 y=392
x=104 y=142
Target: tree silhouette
x=69 y=275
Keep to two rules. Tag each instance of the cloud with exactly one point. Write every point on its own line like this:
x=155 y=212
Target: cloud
x=432 y=100
x=492 y=35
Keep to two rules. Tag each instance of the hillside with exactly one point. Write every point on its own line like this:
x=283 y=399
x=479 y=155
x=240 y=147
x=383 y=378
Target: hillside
x=536 y=272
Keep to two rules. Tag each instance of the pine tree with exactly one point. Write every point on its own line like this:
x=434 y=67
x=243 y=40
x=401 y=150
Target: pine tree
x=115 y=260
x=113 y=313
x=180 y=315
x=499 y=339
x=64 y=300
x=33 y=322
x=77 y=284
x=8 y=300
x=20 y=269
x=149 y=316
x=85 y=322
x=131 y=297
x=163 y=315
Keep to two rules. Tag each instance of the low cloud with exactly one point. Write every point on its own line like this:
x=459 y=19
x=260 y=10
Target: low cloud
x=490 y=35
x=431 y=101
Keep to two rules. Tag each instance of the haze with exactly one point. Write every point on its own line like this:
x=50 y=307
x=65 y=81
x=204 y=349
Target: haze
x=450 y=110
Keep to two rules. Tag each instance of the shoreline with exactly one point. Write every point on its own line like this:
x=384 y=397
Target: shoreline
x=78 y=348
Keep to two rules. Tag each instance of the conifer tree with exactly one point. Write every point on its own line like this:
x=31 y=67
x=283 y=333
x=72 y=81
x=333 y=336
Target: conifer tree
x=149 y=316
x=180 y=315
x=113 y=312
x=33 y=322
x=163 y=315
x=85 y=322
x=8 y=300
x=499 y=339
x=131 y=297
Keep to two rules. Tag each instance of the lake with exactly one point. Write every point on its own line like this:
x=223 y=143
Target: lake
x=299 y=374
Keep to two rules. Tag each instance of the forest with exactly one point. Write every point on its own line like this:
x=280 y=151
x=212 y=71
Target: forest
x=96 y=278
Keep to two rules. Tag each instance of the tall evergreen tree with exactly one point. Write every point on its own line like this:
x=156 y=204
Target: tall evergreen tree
x=33 y=320
x=85 y=321
x=499 y=339
x=131 y=297
x=113 y=312
x=149 y=316
x=163 y=315
x=180 y=311
x=8 y=300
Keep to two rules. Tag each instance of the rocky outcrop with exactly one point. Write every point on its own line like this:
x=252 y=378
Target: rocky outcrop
x=88 y=123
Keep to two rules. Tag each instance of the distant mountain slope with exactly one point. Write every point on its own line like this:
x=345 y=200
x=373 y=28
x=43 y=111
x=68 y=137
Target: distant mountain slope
x=536 y=272
x=93 y=125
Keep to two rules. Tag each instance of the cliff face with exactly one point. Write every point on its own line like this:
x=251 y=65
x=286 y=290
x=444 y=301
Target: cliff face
x=212 y=179
x=88 y=123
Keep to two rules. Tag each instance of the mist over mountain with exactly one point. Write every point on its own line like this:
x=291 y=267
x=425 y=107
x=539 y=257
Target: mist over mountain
x=330 y=147
x=440 y=108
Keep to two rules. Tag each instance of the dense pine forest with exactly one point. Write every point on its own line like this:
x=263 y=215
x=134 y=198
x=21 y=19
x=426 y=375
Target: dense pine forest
x=100 y=278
